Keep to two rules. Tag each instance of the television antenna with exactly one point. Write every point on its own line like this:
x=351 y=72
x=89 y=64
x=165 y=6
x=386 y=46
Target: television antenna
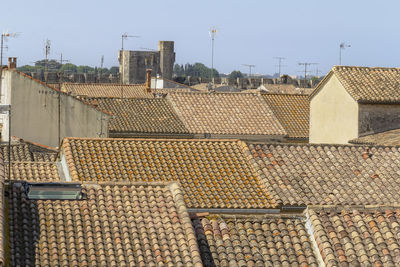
x=125 y=36
x=213 y=32
x=280 y=64
x=250 y=66
x=306 y=64
x=341 y=47
x=46 y=53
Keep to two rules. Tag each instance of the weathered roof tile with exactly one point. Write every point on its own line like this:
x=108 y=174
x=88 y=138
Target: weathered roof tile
x=254 y=241
x=292 y=111
x=328 y=174
x=140 y=115
x=120 y=224
x=212 y=174
x=357 y=237
x=106 y=90
x=226 y=114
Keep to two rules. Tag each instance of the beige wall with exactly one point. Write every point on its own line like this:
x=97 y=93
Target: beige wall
x=333 y=114
x=35 y=113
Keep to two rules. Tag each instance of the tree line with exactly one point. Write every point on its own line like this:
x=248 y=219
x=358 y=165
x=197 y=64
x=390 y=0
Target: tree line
x=55 y=66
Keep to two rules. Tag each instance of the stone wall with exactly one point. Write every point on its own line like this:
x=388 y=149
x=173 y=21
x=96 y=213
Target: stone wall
x=133 y=64
x=378 y=118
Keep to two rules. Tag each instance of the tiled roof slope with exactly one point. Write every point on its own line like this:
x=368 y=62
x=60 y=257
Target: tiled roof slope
x=106 y=90
x=34 y=171
x=116 y=225
x=328 y=174
x=27 y=152
x=2 y=215
x=388 y=138
x=292 y=111
x=358 y=238
x=370 y=85
x=212 y=174
x=254 y=241
x=226 y=113
x=140 y=115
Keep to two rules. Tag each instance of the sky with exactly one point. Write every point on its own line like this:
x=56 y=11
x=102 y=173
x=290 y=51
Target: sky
x=249 y=32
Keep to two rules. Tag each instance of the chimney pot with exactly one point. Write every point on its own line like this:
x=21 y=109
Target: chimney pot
x=12 y=62
x=148 y=80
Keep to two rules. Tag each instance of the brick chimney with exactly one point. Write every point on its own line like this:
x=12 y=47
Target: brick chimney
x=148 y=80
x=12 y=62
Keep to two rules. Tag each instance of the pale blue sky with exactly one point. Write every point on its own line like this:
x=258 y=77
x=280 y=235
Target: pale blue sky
x=250 y=32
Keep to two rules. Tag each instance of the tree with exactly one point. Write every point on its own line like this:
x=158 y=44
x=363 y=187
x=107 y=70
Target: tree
x=236 y=74
x=69 y=68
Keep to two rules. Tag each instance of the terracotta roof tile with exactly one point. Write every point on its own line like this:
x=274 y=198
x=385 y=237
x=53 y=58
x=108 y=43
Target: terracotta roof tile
x=27 y=151
x=371 y=85
x=254 y=241
x=34 y=171
x=328 y=174
x=292 y=111
x=116 y=225
x=387 y=138
x=140 y=115
x=106 y=90
x=358 y=237
x=213 y=174
x=226 y=114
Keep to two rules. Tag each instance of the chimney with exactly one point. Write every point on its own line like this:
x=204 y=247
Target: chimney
x=148 y=80
x=12 y=63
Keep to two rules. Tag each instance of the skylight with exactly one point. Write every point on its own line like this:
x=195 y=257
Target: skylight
x=54 y=191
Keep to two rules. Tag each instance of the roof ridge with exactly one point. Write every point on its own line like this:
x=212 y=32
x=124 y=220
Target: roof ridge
x=152 y=139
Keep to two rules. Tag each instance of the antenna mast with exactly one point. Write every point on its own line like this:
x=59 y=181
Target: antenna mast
x=305 y=64
x=250 y=66
x=213 y=31
x=125 y=36
x=280 y=64
x=46 y=53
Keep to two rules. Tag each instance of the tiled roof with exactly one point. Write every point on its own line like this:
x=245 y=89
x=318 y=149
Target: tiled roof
x=19 y=152
x=140 y=115
x=292 y=111
x=115 y=225
x=369 y=85
x=106 y=90
x=328 y=174
x=226 y=113
x=358 y=238
x=388 y=138
x=254 y=241
x=34 y=171
x=213 y=174
x=27 y=151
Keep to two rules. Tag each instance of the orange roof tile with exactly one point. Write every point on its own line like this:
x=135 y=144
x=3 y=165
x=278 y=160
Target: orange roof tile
x=292 y=111
x=106 y=90
x=116 y=224
x=213 y=174
x=226 y=113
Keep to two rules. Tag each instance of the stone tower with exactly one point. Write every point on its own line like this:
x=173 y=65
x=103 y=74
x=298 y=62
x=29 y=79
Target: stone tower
x=133 y=64
x=167 y=58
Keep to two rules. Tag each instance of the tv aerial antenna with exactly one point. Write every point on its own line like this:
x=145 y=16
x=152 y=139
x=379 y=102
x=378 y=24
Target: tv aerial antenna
x=125 y=36
x=250 y=66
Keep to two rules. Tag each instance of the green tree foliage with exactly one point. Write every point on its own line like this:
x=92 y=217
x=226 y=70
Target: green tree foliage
x=236 y=74
x=69 y=68
x=194 y=70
